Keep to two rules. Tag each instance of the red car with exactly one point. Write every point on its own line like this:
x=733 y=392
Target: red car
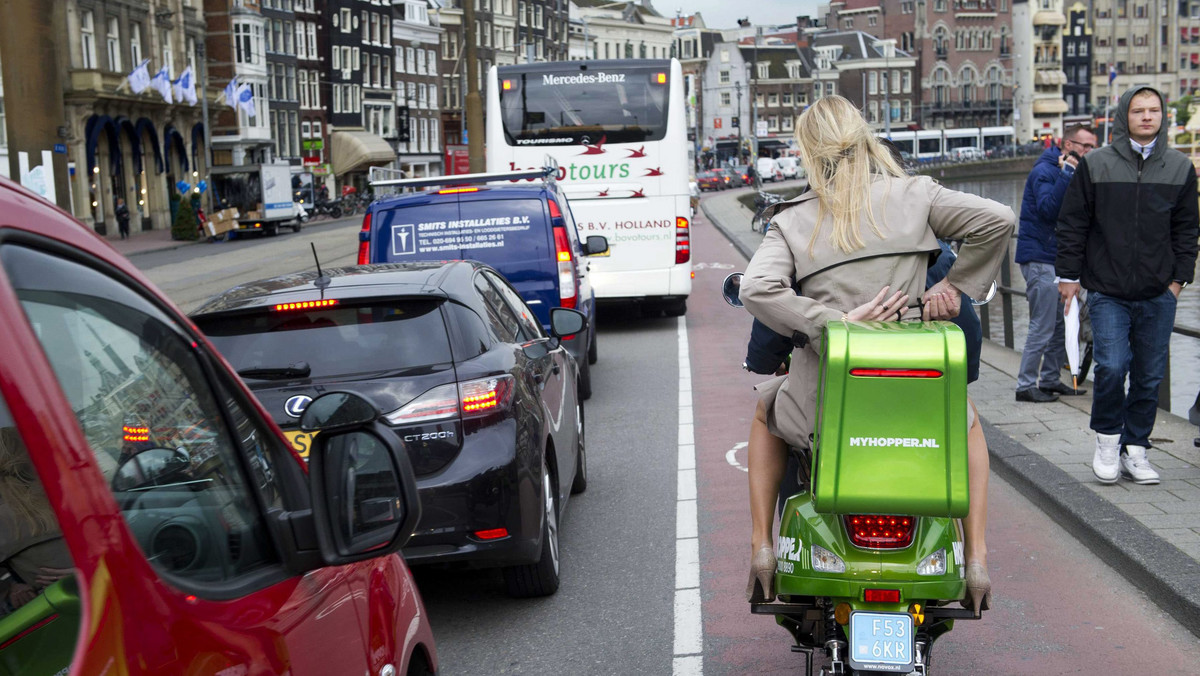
x=711 y=179
x=153 y=520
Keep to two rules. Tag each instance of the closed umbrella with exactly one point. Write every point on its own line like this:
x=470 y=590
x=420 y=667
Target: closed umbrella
x=1071 y=329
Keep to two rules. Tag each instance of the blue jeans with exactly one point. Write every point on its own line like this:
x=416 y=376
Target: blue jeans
x=1045 y=350
x=1129 y=337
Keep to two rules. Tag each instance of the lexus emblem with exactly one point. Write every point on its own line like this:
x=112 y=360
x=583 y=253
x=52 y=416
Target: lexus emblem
x=296 y=405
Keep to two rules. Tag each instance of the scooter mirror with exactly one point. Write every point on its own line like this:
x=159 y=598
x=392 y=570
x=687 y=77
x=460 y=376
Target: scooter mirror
x=990 y=295
x=730 y=289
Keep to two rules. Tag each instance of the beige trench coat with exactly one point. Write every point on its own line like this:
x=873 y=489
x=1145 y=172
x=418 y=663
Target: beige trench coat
x=912 y=213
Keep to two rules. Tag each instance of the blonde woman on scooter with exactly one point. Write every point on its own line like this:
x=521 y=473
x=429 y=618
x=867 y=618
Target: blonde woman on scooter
x=858 y=243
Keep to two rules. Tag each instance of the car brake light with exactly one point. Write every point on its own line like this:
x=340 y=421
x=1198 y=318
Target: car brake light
x=881 y=595
x=876 y=531
x=136 y=433
x=492 y=534
x=567 y=294
x=683 y=241
x=305 y=305
x=455 y=191
x=896 y=373
x=471 y=399
x=364 y=242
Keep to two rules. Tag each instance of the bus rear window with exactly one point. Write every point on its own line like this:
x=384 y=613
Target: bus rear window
x=584 y=104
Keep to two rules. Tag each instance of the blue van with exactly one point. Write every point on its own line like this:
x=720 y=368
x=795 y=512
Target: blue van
x=524 y=230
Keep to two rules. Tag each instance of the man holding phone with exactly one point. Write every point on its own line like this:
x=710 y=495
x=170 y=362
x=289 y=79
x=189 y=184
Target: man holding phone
x=1040 y=376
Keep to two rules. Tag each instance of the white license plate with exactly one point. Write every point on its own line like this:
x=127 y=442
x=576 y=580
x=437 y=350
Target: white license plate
x=881 y=641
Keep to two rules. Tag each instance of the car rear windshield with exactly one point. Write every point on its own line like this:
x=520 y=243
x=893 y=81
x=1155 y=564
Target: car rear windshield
x=489 y=230
x=574 y=105
x=346 y=339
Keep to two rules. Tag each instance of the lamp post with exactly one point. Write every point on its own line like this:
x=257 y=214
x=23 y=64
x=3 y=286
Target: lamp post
x=737 y=86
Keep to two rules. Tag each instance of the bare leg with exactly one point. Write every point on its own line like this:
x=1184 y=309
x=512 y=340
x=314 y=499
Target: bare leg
x=768 y=459
x=977 y=470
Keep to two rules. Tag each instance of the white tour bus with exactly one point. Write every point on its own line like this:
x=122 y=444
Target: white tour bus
x=617 y=130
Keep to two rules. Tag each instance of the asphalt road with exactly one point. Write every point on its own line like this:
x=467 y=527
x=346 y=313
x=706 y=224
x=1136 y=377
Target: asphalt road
x=1058 y=609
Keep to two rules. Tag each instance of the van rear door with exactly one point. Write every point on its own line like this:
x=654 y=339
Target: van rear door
x=511 y=235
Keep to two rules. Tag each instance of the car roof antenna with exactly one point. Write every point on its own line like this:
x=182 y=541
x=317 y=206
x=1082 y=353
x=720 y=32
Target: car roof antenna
x=321 y=281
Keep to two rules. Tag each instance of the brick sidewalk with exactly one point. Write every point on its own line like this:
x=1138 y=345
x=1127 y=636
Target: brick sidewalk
x=1151 y=534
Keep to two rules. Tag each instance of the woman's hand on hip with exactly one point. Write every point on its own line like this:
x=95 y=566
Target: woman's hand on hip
x=877 y=309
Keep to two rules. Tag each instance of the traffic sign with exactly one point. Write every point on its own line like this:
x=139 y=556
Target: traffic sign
x=760 y=129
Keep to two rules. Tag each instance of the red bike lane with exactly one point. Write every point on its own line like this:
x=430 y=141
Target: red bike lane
x=735 y=642
x=1057 y=608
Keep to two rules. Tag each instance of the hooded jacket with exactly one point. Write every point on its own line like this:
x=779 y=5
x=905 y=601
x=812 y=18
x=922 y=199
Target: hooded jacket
x=1044 y=190
x=1128 y=227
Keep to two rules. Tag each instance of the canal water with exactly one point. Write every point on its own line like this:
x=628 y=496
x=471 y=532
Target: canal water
x=1185 y=351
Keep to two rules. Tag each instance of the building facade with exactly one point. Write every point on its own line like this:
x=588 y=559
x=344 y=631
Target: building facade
x=312 y=41
x=962 y=50
x=625 y=30
x=873 y=74
x=236 y=48
x=121 y=144
x=1139 y=39
x=416 y=39
x=280 y=38
x=1077 y=64
x=725 y=101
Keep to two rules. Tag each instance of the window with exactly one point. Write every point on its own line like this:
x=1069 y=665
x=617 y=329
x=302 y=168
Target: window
x=303 y=75
x=311 y=34
x=314 y=88
x=301 y=45
x=291 y=82
x=906 y=82
x=87 y=39
x=723 y=77
x=505 y=325
x=135 y=44
x=762 y=69
x=410 y=59
x=366 y=26
x=243 y=43
x=786 y=99
x=772 y=99
x=337 y=59
x=289 y=32
x=430 y=62
x=387 y=72
x=345 y=19
x=873 y=112
x=113 y=42
x=168 y=54
x=872 y=83
x=145 y=379
x=385 y=30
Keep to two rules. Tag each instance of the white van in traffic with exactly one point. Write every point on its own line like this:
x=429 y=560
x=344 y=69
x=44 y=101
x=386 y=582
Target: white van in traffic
x=789 y=167
x=768 y=170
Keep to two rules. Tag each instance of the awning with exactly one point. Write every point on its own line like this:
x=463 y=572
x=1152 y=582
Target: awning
x=357 y=150
x=1050 y=77
x=1049 y=19
x=1049 y=106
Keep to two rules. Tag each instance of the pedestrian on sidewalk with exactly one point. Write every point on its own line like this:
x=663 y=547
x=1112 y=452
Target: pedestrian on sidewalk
x=122 y=214
x=1045 y=350
x=1127 y=233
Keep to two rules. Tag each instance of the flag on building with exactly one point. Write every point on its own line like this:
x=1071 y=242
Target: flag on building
x=162 y=83
x=185 y=87
x=139 y=79
x=1112 y=74
x=245 y=99
x=230 y=93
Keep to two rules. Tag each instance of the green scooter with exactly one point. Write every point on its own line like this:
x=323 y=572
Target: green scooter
x=870 y=546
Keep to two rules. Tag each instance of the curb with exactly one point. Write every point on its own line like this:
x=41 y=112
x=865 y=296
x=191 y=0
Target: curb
x=1159 y=569
x=1164 y=573
x=746 y=251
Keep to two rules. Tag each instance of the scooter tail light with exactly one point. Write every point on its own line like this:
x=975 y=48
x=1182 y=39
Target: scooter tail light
x=568 y=294
x=880 y=531
x=881 y=595
x=934 y=564
x=364 y=243
x=825 y=561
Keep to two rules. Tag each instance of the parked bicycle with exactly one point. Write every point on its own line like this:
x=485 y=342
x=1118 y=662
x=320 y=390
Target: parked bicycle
x=762 y=202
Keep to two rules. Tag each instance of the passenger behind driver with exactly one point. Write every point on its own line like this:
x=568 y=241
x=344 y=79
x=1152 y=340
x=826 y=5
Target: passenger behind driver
x=849 y=245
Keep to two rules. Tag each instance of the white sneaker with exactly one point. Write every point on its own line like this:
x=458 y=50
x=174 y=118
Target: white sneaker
x=1105 y=464
x=1135 y=466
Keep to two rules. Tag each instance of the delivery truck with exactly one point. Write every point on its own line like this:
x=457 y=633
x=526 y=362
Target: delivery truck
x=262 y=194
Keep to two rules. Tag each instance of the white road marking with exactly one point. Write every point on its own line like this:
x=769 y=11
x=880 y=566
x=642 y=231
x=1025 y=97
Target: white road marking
x=689 y=628
x=731 y=456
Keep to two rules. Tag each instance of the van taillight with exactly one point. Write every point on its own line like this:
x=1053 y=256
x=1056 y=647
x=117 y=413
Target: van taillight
x=683 y=241
x=555 y=212
x=880 y=531
x=364 y=241
x=567 y=294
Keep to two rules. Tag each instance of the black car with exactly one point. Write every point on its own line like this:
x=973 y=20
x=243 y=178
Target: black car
x=485 y=401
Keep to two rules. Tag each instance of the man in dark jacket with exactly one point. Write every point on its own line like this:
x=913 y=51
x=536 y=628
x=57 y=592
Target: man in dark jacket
x=1127 y=232
x=1045 y=350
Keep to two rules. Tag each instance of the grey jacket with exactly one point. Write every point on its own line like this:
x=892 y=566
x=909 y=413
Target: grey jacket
x=912 y=213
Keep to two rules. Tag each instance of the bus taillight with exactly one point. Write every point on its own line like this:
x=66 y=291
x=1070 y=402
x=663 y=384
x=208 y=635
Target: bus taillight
x=683 y=241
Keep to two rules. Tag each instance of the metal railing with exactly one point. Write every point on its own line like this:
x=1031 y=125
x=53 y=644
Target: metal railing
x=1006 y=291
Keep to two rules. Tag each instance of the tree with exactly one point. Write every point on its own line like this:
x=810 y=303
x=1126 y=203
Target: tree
x=184 y=226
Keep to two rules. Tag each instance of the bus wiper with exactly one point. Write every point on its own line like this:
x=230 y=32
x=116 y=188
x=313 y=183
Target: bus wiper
x=299 y=369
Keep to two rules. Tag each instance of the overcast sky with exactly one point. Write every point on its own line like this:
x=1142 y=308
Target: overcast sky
x=725 y=13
